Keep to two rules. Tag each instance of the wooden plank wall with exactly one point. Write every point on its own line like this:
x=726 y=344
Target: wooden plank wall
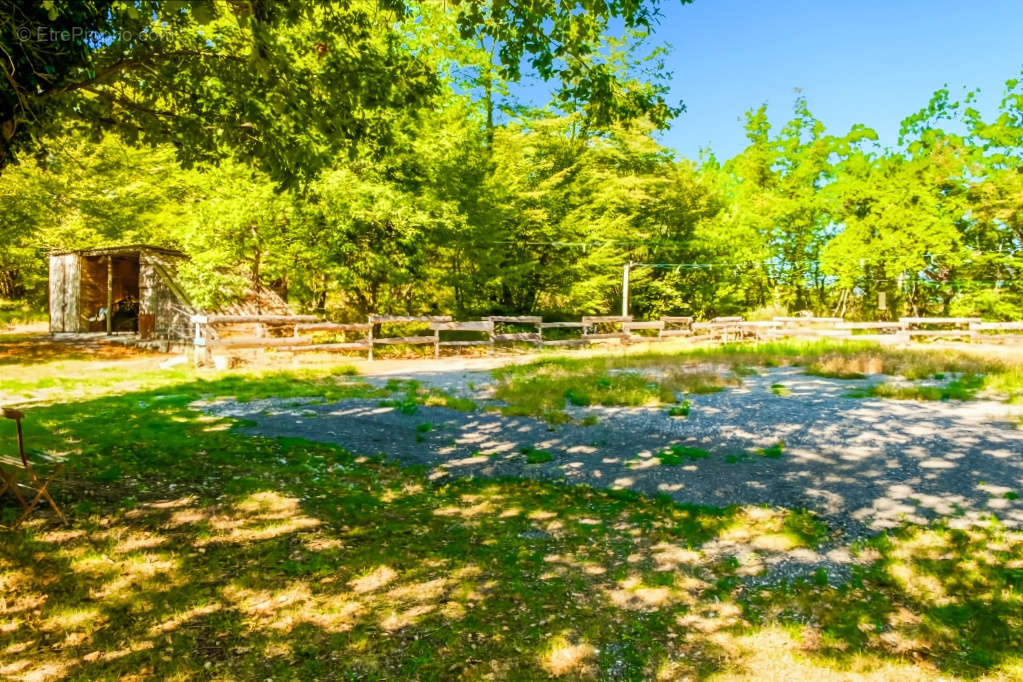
x=161 y=297
x=65 y=290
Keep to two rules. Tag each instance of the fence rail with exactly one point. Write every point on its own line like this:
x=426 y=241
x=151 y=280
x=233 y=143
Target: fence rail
x=297 y=333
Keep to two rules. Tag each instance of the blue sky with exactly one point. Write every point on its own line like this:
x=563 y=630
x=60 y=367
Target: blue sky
x=871 y=62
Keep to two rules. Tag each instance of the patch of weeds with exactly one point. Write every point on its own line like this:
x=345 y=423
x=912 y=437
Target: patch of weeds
x=814 y=371
x=344 y=371
x=590 y=420
x=939 y=376
x=441 y=399
x=733 y=458
x=424 y=427
x=674 y=455
x=781 y=390
x=705 y=389
x=820 y=577
x=578 y=398
x=1010 y=495
x=964 y=388
x=534 y=456
x=538 y=457
x=405 y=405
x=804 y=527
x=544 y=391
x=556 y=417
x=773 y=452
x=681 y=410
x=744 y=371
x=396 y=385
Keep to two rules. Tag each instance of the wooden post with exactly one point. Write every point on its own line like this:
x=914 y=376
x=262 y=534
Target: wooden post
x=369 y=338
x=436 y=343
x=110 y=295
x=625 y=290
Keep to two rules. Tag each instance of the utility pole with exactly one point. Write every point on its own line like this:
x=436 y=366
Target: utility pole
x=625 y=289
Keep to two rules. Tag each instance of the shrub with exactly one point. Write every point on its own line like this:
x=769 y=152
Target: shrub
x=681 y=410
x=676 y=453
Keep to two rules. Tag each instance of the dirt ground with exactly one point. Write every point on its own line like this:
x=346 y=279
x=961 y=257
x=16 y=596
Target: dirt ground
x=34 y=343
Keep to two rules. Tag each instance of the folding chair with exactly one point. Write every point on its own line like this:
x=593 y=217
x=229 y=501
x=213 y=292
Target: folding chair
x=11 y=470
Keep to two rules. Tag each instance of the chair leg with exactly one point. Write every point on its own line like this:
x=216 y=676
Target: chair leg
x=41 y=493
x=45 y=493
x=9 y=483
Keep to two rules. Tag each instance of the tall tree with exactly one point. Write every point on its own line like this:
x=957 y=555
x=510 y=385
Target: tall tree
x=286 y=84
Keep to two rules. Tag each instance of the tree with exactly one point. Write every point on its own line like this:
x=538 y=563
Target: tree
x=286 y=85
x=902 y=216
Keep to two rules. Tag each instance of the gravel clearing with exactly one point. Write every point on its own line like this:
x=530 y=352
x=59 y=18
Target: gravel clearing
x=862 y=464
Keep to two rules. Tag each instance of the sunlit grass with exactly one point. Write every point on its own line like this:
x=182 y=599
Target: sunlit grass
x=545 y=387
x=195 y=552
x=965 y=388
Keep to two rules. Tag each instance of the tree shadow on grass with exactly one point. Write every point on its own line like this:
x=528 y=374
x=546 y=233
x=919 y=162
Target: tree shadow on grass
x=197 y=552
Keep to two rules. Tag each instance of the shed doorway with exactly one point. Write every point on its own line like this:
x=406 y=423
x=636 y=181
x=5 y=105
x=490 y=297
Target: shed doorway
x=111 y=282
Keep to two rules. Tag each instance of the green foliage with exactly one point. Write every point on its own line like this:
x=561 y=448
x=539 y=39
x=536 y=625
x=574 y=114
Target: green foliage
x=681 y=410
x=534 y=456
x=674 y=455
x=773 y=452
x=544 y=387
x=964 y=388
x=290 y=85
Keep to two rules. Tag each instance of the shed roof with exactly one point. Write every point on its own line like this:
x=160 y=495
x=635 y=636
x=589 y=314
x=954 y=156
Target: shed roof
x=121 y=251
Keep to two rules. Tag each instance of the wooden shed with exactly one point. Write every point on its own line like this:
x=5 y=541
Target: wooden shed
x=135 y=282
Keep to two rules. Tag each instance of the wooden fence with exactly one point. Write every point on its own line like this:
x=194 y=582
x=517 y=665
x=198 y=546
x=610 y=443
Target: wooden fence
x=298 y=333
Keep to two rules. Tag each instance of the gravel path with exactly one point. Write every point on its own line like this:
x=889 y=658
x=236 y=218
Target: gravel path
x=862 y=464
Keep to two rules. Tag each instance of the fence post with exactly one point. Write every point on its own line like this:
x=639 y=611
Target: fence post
x=370 y=336
x=200 y=342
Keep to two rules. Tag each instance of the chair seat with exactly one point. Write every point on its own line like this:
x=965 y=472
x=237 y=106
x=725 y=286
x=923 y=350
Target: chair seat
x=34 y=460
x=12 y=462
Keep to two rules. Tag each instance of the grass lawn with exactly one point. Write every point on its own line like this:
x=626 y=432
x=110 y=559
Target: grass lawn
x=195 y=552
